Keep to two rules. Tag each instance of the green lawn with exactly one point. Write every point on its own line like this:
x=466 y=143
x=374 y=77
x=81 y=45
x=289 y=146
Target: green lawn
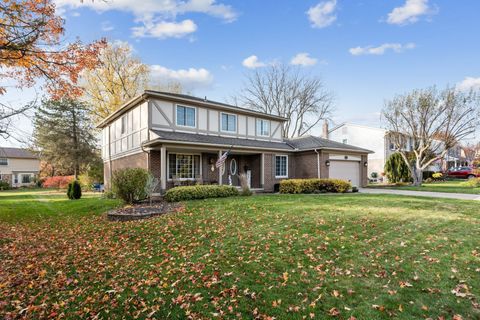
x=282 y=256
x=451 y=186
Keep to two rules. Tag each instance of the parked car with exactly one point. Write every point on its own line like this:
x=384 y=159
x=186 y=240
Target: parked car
x=463 y=173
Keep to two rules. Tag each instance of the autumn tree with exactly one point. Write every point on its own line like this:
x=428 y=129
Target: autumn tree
x=119 y=77
x=31 y=48
x=435 y=121
x=286 y=91
x=63 y=134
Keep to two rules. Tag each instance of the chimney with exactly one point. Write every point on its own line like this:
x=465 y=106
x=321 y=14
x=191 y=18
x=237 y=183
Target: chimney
x=325 y=129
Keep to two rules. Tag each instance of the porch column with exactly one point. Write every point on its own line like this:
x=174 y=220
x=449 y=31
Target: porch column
x=220 y=169
x=262 y=170
x=163 y=168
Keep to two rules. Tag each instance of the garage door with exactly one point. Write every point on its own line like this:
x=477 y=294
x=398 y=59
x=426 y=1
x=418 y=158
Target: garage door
x=345 y=170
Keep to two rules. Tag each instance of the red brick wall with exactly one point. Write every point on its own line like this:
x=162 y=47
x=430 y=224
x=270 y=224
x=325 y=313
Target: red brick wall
x=364 y=171
x=269 y=171
x=138 y=160
x=306 y=165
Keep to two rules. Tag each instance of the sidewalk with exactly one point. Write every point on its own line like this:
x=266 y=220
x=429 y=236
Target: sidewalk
x=458 y=196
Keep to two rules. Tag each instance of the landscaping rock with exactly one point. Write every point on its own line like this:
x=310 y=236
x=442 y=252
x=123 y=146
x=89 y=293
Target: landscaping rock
x=142 y=211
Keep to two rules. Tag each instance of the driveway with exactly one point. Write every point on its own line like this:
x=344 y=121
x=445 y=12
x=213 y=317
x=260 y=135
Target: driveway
x=458 y=196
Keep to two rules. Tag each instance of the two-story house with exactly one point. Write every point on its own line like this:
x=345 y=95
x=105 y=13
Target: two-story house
x=179 y=138
x=18 y=167
x=375 y=139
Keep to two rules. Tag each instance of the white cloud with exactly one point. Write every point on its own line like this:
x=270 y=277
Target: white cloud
x=409 y=12
x=469 y=83
x=323 y=14
x=163 y=30
x=395 y=47
x=303 y=59
x=107 y=26
x=153 y=14
x=252 y=62
x=190 y=79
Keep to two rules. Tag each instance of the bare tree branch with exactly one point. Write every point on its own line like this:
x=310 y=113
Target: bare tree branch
x=285 y=91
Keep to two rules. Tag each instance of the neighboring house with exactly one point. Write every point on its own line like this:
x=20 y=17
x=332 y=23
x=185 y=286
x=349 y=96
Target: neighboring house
x=18 y=167
x=374 y=139
x=179 y=138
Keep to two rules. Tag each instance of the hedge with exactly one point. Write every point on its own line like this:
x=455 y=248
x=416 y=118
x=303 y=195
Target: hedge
x=74 y=191
x=314 y=186
x=199 y=192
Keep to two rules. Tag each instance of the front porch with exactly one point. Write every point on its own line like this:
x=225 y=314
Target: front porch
x=181 y=166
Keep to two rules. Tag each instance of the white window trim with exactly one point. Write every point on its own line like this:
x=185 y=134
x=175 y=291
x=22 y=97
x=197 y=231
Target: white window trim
x=259 y=134
x=193 y=164
x=286 y=166
x=6 y=163
x=221 y=122
x=176 y=117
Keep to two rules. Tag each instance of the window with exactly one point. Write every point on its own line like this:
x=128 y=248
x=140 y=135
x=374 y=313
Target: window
x=15 y=178
x=229 y=122
x=124 y=124
x=392 y=147
x=26 y=178
x=183 y=166
x=281 y=166
x=186 y=116
x=345 y=141
x=263 y=127
x=3 y=162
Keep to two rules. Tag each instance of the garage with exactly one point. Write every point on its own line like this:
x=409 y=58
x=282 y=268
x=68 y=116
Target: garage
x=345 y=170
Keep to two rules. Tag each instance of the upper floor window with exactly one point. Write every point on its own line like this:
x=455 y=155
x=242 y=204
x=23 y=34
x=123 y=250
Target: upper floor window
x=124 y=124
x=281 y=166
x=229 y=122
x=186 y=116
x=3 y=162
x=263 y=127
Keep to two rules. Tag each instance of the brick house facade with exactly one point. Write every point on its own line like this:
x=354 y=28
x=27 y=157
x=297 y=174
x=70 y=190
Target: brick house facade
x=179 y=138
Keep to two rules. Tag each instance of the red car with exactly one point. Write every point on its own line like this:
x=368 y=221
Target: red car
x=463 y=173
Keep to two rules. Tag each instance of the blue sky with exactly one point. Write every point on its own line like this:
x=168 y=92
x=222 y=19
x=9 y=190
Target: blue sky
x=365 y=50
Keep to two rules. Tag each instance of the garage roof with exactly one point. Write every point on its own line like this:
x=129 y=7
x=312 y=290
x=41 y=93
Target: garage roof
x=311 y=142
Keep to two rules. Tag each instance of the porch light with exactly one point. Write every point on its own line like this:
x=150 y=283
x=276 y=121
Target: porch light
x=365 y=164
x=327 y=163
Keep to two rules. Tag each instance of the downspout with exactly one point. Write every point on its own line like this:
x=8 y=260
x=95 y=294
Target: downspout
x=318 y=163
x=109 y=158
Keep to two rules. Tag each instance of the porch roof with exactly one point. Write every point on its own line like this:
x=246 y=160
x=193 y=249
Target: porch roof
x=293 y=145
x=202 y=139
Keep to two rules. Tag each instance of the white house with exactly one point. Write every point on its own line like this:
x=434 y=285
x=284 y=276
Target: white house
x=18 y=166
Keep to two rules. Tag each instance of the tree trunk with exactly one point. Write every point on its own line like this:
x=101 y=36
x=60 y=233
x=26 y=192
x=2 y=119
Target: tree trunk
x=417 y=176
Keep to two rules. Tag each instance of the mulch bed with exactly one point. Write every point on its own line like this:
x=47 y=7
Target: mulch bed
x=142 y=211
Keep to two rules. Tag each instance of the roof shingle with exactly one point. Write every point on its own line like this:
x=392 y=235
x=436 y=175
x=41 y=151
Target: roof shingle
x=16 y=153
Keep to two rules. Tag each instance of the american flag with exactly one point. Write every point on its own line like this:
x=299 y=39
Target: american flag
x=222 y=159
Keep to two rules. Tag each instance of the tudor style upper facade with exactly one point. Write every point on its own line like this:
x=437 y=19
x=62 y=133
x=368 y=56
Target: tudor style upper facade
x=179 y=138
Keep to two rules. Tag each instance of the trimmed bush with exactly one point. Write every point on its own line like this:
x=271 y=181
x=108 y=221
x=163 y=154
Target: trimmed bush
x=130 y=184
x=74 y=191
x=314 y=186
x=199 y=192
x=4 y=185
